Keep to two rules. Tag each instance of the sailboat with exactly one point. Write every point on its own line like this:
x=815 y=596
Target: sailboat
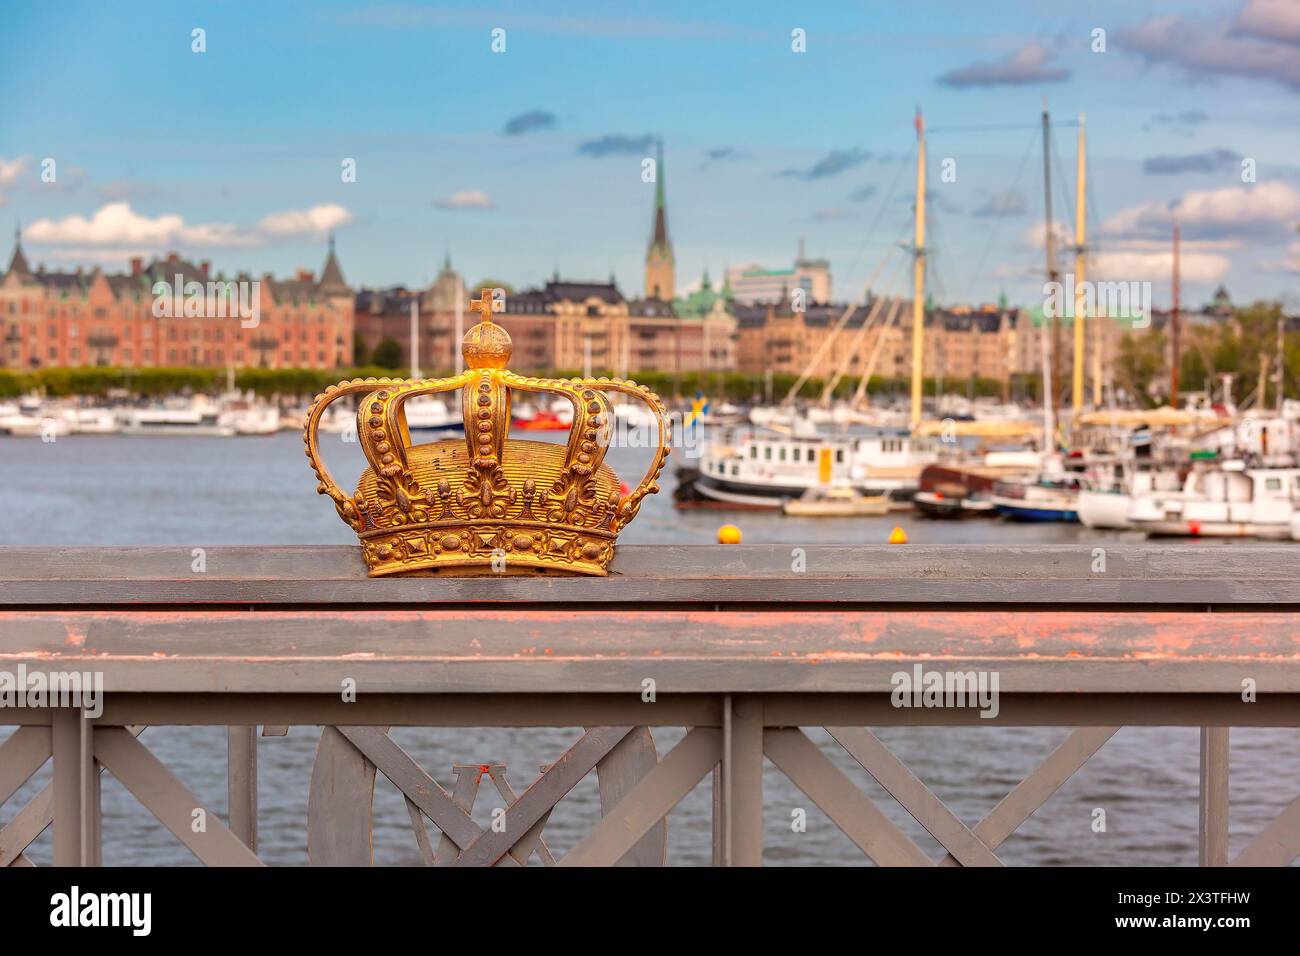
x=1053 y=494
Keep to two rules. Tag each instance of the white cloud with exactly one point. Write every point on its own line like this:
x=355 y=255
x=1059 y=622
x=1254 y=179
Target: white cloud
x=1025 y=66
x=1034 y=239
x=116 y=224
x=1203 y=48
x=1158 y=266
x=316 y=222
x=1231 y=211
x=11 y=170
x=1140 y=259
x=465 y=199
x=1270 y=20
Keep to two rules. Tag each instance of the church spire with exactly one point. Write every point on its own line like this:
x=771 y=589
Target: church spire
x=18 y=263
x=659 y=265
x=331 y=277
x=660 y=237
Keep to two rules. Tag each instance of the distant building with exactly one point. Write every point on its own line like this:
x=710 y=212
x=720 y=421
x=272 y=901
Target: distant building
x=80 y=318
x=755 y=284
x=714 y=309
x=568 y=326
x=386 y=314
x=990 y=342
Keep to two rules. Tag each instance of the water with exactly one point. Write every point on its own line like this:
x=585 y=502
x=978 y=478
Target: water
x=85 y=491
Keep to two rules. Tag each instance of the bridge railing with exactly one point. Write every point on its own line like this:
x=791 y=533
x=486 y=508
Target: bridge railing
x=746 y=648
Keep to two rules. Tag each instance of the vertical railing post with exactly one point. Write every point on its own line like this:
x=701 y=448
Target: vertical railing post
x=68 y=752
x=241 y=783
x=1213 y=816
x=743 y=780
x=722 y=792
x=719 y=816
x=91 y=837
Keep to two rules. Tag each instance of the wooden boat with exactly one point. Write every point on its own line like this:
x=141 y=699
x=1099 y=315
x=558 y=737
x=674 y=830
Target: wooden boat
x=938 y=504
x=841 y=502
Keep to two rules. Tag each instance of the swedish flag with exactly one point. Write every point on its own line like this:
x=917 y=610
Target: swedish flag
x=699 y=408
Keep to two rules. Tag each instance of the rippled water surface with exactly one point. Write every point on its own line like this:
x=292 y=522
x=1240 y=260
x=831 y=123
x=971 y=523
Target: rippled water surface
x=205 y=492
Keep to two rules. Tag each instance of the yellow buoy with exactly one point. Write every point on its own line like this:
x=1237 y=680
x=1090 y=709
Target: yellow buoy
x=898 y=536
x=728 y=534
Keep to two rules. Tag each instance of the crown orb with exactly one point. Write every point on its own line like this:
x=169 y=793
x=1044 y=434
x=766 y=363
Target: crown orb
x=486 y=345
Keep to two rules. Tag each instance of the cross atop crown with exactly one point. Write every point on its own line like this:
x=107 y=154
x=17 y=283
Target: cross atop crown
x=483 y=305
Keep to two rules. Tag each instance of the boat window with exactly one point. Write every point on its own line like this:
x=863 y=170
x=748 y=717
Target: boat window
x=735 y=469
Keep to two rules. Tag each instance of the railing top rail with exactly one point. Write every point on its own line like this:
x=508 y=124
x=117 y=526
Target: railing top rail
x=787 y=575
x=612 y=649
x=1131 y=619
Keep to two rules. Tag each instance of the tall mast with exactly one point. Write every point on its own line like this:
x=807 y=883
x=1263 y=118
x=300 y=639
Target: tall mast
x=415 y=337
x=918 y=274
x=1049 y=243
x=1080 y=236
x=1174 y=357
x=1281 y=369
x=456 y=354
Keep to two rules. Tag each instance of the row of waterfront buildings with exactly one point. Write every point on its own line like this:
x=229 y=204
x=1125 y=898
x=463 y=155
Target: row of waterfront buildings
x=758 y=320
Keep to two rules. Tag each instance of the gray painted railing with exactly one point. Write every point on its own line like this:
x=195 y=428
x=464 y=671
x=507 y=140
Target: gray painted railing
x=743 y=646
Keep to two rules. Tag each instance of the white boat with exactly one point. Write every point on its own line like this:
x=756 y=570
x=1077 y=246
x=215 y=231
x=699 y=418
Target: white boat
x=91 y=421
x=836 y=502
x=20 y=422
x=762 y=468
x=1108 y=507
x=427 y=417
x=195 y=419
x=1103 y=508
x=337 y=420
x=247 y=416
x=634 y=415
x=1231 y=501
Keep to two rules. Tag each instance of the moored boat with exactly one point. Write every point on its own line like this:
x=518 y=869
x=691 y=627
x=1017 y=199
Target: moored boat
x=761 y=468
x=1230 y=501
x=1043 y=500
x=836 y=502
x=428 y=417
x=937 y=504
x=197 y=419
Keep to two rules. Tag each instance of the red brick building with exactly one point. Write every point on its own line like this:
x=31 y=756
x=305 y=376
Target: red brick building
x=74 y=319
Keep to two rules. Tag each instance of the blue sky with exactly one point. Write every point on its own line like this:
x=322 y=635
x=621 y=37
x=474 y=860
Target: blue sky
x=235 y=154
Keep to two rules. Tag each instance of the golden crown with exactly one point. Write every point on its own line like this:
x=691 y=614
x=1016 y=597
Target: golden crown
x=486 y=501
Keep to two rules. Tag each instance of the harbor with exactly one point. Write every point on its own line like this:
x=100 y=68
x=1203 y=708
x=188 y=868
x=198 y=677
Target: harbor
x=853 y=438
